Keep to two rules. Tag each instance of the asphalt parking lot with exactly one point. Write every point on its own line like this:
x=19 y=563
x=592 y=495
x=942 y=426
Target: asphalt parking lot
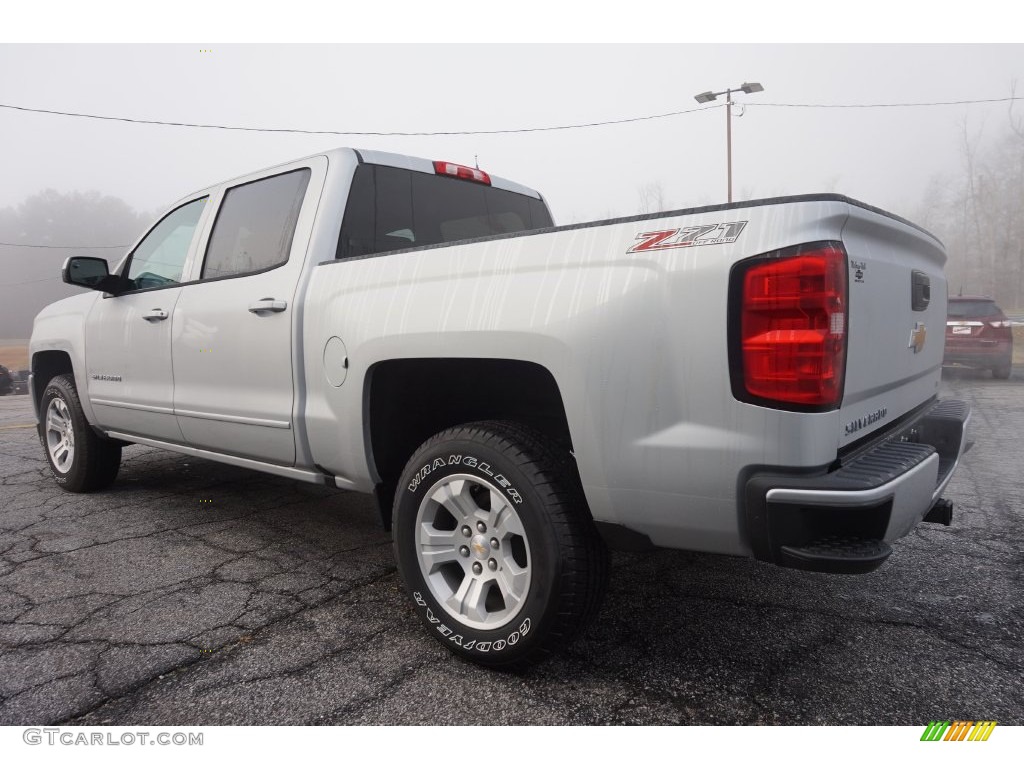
x=195 y=593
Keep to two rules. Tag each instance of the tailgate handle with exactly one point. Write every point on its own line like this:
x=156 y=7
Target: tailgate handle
x=920 y=291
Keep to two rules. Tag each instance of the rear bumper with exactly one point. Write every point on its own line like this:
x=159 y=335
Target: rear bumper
x=981 y=355
x=844 y=520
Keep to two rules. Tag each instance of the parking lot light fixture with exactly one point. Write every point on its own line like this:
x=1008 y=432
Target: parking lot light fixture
x=708 y=96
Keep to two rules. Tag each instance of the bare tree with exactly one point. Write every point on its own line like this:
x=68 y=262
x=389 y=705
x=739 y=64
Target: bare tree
x=980 y=215
x=652 y=198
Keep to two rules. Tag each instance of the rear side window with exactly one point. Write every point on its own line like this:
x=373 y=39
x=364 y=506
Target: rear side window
x=970 y=308
x=255 y=225
x=393 y=208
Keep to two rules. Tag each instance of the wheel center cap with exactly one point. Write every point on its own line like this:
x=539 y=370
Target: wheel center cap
x=480 y=546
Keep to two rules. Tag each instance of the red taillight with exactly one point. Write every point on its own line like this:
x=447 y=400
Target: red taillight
x=792 y=336
x=461 y=172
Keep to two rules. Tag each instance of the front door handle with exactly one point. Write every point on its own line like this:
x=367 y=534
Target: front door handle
x=268 y=305
x=154 y=314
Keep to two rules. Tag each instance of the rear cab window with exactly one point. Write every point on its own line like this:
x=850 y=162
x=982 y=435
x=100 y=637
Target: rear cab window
x=394 y=208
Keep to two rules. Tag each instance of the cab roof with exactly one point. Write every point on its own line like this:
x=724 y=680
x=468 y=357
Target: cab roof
x=374 y=157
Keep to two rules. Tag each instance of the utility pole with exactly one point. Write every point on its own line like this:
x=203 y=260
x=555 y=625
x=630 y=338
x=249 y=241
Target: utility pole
x=704 y=98
x=728 y=138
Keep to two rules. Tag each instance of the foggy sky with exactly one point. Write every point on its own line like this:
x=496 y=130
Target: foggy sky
x=885 y=157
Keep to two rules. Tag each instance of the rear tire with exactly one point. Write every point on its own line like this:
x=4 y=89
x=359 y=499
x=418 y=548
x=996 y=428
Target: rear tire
x=1002 y=371
x=495 y=544
x=80 y=460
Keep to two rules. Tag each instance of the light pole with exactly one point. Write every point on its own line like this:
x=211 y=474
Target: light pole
x=704 y=98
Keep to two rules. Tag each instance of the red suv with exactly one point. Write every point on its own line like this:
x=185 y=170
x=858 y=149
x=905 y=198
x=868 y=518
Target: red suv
x=978 y=335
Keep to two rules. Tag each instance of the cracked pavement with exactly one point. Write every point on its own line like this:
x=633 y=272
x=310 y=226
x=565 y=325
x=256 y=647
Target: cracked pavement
x=194 y=593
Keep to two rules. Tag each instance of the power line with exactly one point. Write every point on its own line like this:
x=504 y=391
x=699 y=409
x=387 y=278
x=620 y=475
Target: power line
x=59 y=247
x=875 y=106
x=366 y=133
x=570 y=126
x=595 y=124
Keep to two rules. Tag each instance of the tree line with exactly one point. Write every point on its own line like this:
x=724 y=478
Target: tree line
x=979 y=214
x=30 y=276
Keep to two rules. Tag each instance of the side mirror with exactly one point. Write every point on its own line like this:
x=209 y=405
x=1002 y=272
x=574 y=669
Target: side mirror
x=91 y=272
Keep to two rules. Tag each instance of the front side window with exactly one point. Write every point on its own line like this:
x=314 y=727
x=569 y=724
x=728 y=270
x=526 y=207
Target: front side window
x=255 y=225
x=159 y=259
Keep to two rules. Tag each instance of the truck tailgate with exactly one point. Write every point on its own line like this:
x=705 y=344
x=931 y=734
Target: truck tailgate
x=897 y=318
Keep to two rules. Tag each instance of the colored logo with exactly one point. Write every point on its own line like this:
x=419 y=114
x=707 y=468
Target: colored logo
x=959 y=730
x=705 y=234
x=917 y=337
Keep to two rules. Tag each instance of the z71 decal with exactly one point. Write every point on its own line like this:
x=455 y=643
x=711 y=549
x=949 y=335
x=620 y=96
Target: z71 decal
x=703 y=234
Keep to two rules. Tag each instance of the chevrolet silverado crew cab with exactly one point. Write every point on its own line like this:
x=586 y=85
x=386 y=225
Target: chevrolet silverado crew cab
x=757 y=379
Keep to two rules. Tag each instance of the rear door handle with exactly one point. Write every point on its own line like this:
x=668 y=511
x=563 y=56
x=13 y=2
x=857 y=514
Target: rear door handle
x=268 y=305
x=154 y=314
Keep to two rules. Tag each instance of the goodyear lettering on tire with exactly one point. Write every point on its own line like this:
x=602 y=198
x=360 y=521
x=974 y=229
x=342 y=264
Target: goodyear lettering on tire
x=484 y=646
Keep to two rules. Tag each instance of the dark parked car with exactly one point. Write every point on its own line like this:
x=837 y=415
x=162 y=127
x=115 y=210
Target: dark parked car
x=20 y=382
x=6 y=383
x=978 y=335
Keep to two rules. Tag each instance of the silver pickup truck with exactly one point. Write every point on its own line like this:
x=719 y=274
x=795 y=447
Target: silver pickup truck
x=753 y=379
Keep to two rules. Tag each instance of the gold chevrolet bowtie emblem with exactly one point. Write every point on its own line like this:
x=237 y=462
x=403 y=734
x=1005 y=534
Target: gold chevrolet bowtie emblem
x=917 y=336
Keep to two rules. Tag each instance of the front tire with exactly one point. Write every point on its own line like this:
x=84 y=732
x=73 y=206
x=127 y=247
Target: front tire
x=80 y=460
x=495 y=544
